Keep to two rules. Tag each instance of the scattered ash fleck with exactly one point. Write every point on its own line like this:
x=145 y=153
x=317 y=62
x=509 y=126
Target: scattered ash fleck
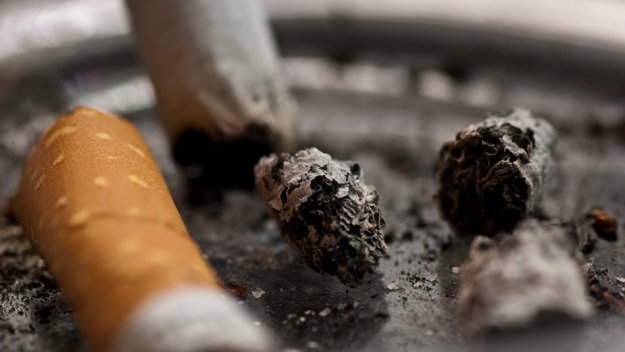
x=432 y=278
x=394 y=286
x=325 y=210
x=312 y=344
x=33 y=314
x=586 y=268
x=325 y=312
x=258 y=293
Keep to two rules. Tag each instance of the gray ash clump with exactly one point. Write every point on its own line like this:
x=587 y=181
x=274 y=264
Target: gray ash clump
x=493 y=174
x=513 y=282
x=325 y=210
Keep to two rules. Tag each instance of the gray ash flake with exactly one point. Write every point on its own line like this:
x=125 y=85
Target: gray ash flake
x=532 y=276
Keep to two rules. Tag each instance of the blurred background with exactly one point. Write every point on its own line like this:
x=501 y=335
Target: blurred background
x=559 y=56
x=382 y=81
x=541 y=54
x=564 y=59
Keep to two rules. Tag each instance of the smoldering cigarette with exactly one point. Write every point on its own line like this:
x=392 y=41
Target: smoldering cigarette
x=215 y=69
x=511 y=282
x=325 y=210
x=493 y=173
x=94 y=204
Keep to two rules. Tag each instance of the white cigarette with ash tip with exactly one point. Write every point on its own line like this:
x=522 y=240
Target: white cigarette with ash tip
x=219 y=91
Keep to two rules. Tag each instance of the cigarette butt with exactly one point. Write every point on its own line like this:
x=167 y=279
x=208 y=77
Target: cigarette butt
x=512 y=282
x=493 y=173
x=118 y=248
x=215 y=70
x=325 y=210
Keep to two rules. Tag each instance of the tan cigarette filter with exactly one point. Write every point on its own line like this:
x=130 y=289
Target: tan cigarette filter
x=94 y=204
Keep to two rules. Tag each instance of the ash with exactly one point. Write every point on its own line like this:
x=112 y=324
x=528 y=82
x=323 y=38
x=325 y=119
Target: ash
x=513 y=282
x=493 y=173
x=325 y=210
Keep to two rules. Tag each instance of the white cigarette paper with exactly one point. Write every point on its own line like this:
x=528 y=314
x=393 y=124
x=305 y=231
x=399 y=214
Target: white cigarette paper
x=216 y=73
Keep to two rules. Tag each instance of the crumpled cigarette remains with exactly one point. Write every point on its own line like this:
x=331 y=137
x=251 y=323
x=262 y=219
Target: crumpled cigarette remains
x=493 y=173
x=325 y=210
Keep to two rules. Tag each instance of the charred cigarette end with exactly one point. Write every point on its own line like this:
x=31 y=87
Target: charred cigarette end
x=513 y=282
x=493 y=173
x=325 y=210
x=216 y=73
x=191 y=319
x=197 y=148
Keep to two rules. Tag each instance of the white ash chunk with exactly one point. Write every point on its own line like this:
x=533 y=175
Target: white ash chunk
x=258 y=293
x=325 y=210
x=394 y=286
x=512 y=282
x=493 y=174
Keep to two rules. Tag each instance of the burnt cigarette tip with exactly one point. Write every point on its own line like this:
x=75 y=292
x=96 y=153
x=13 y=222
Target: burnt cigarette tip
x=493 y=173
x=325 y=210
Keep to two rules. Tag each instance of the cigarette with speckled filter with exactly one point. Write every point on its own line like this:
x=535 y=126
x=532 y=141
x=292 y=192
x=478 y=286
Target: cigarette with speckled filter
x=93 y=203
